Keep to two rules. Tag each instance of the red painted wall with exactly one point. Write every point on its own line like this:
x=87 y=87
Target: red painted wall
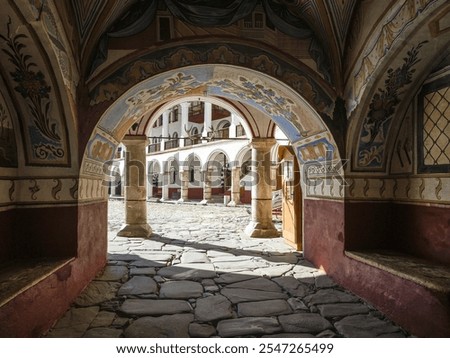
x=157 y=192
x=419 y=230
x=47 y=232
x=417 y=309
x=368 y=226
x=195 y=193
x=217 y=191
x=423 y=231
x=246 y=196
x=34 y=311
x=174 y=193
x=26 y=232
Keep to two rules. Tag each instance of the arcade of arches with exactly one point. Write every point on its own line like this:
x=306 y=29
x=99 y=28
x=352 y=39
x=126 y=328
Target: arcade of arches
x=359 y=89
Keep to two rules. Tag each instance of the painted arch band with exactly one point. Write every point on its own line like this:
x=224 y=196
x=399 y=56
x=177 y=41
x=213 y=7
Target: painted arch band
x=267 y=100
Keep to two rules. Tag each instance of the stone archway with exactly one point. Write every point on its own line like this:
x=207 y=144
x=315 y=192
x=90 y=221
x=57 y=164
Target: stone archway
x=263 y=100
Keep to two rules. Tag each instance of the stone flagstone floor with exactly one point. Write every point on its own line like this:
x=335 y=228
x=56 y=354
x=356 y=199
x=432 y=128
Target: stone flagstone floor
x=200 y=276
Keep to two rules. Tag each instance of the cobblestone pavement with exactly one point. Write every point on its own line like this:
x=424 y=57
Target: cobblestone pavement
x=200 y=276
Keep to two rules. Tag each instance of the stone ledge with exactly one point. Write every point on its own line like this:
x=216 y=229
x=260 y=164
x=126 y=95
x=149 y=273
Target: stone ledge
x=433 y=276
x=18 y=276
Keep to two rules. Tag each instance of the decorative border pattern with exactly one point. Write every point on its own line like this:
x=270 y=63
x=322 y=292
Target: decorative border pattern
x=37 y=190
x=316 y=150
x=414 y=189
x=148 y=65
x=326 y=189
x=92 y=189
x=43 y=191
x=100 y=149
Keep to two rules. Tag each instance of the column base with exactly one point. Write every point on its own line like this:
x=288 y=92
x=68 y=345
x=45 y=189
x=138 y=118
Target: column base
x=135 y=230
x=181 y=200
x=205 y=202
x=233 y=203
x=256 y=229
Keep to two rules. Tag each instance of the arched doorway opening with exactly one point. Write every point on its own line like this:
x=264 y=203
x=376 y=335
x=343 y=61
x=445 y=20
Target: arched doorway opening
x=218 y=165
x=153 y=180
x=261 y=100
x=194 y=168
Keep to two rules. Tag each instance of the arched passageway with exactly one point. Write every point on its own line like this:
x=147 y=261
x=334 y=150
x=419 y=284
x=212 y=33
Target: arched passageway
x=260 y=123
x=259 y=99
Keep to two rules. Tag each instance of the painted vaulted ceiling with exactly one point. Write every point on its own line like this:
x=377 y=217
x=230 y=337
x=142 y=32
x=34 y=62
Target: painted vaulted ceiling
x=327 y=22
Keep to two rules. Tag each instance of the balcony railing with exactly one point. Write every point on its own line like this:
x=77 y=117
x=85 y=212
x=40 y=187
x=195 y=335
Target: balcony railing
x=223 y=133
x=193 y=140
x=172 y=143
x=155 y=147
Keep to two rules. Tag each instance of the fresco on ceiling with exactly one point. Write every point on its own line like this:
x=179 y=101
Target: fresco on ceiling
x=209 y=14
x=315 y=91
x=317 y=150
x=47 y=13
x=43 y=127
x=101 y=148
x=147 y=93
x=8 y=149
x=294 y=119
x=341 y=12
x=264 y=98
x=392 y=30
x=375 y=127
x=403 y=155
x=86 y=14
x=99 y=151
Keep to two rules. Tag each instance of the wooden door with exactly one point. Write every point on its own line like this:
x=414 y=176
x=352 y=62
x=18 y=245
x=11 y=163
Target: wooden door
x=292 y=198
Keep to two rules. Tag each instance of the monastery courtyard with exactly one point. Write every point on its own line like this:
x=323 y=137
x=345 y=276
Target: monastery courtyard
x=200 y=276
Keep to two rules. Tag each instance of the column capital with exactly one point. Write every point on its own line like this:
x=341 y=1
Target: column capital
x=183 y=170
x=185 y=105
x=132 y=140
x=262 y=143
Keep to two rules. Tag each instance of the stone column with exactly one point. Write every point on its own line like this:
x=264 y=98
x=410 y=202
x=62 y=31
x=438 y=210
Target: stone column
x=235 y=186
x=207 y=192
x=261 y=223
x=234 y=123
x=184 y=179
x=184 y=122
x=135 y=188
x=207 y=122
x=164 y=186
x=165 y=129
